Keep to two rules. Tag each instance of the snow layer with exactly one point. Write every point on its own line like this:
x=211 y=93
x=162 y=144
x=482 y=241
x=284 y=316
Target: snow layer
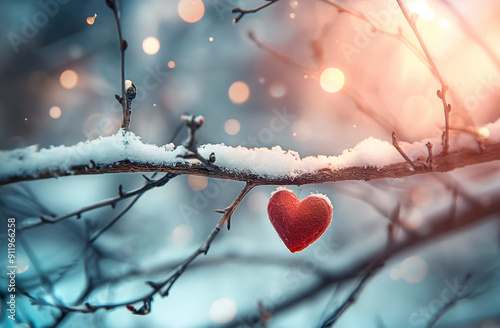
x=264 y=162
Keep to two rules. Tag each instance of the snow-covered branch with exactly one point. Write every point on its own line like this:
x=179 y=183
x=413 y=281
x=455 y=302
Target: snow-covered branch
x=370 y=159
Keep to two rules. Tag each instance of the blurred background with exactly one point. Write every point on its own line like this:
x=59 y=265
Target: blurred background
x=298 y=74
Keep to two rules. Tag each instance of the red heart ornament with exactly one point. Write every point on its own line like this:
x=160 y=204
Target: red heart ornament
x=299 y=223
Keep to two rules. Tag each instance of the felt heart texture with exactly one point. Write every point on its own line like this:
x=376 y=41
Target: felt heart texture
x=299 y=223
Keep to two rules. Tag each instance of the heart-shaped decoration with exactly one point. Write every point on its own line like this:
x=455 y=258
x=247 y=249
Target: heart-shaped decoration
x=299 y=223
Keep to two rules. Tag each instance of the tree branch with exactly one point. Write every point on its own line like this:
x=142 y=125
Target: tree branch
x=163 y=287
x=237 y=163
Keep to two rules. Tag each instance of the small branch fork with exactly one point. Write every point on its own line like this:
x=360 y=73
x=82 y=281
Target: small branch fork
x=444 y=87
x=193 y=123
x=242 y=12
x=162 y=287
x=150 y=184
x=428 y=163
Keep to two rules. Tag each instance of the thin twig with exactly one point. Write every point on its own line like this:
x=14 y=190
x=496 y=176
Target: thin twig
x=451 y=302
x=242 y=12
x=375 y=28
x=163 y=287
x=351 y=299
x=430 y=158
x=444 y=87
x=468 y=29
x=115 y=219
x=113 y=5
x=395 y=143
x=108 y=202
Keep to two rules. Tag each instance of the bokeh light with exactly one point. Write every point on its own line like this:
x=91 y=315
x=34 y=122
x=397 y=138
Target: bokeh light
x=182 y=235
x=277 y=89
x=395 y=273
x=68 y=79
x=191 y=11
x=239 y=92
x=171 y=64
x=197 y=182
x=302 y=130
x=483 y=132
x=223 y=310
x=332 y=80
x=414 y=269
x=55 y=112
x=91 y=19
x=232 y=127
x=421 y=9
x=151 y=45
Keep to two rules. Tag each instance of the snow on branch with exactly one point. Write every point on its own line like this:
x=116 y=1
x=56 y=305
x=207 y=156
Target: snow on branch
x=370 y=159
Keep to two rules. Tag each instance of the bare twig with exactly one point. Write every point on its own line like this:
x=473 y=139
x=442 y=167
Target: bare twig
x=444 y=87
x=130 y=95
x=113 y=5
x=351 y=299
x=115 y=219
x=459 y=295
x=193 y=123
x=468 y=29
x=242 y=12
x=395 y=143
x=163 y=287
x=343 y=9
x=108 y=202
x=430 y=158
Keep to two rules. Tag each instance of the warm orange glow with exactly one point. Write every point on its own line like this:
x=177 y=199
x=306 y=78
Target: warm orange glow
x=417 y=112
x=211 y=39
x=292 y=15
x=232 y=127
x=91 y=19
x=151 y=45
x=239 y=92
x=68 y=79
x=171 y=64
x=332 y=80
x=191 y=11
x=294 y=4
x=421 y=9
x=197 y=183
x=55 y=112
